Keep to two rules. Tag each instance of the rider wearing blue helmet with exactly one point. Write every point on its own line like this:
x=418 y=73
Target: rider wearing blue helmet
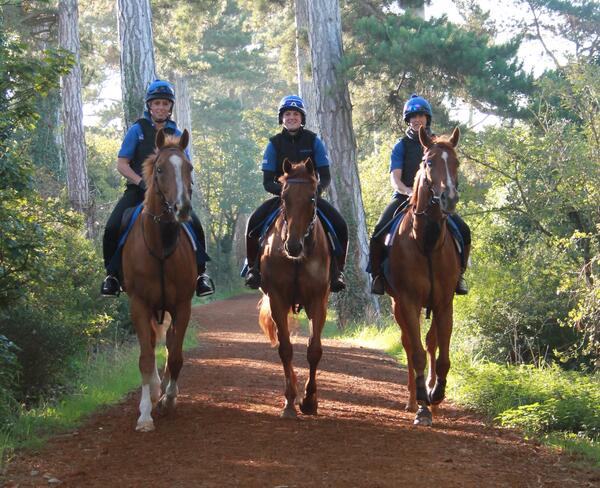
x=294 y=143
x=404 y=164
x=138 y=144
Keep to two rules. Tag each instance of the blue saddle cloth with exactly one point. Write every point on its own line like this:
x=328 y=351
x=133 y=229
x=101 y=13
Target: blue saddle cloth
x=334 y=242
x=394 y=224
x=115 y=263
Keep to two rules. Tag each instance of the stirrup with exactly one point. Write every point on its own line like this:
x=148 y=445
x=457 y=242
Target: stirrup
x=461 y=287
x=204 y=286
x=337 y=283
x=377 y=285
x=253 y=279
x=110 y=287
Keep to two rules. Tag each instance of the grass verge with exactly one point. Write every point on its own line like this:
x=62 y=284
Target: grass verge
x=104 y=379
x=559 y=408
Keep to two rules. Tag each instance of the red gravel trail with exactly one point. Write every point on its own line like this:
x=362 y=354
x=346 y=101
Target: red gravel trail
x=227 y=431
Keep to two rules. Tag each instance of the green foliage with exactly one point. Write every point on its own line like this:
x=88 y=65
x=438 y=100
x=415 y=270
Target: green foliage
x=535 y=400
x=9 y=371
x=438 y=59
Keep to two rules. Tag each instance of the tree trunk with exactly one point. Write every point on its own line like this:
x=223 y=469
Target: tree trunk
x=183 y=116
x=303 y=66
x=73 y=133
x=334 y=115
x=137 y=55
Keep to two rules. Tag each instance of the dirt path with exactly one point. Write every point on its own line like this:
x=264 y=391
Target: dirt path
x=227 y=431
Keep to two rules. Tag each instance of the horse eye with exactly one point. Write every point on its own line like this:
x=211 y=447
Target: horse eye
x=159 y=170
x=429 y=163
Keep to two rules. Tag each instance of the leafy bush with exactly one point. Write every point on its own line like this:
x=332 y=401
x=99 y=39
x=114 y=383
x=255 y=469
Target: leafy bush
x=9 y=370
x=535 y=400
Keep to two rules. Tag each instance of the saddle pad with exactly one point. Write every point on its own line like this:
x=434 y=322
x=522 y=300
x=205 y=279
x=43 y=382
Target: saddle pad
x=115 y=263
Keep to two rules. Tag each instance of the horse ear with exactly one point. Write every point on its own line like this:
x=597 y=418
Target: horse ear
x=184 y=140
x=424 y=138
x=310 y=166
x=160 y=139
x=455 y=137
x=287 y=166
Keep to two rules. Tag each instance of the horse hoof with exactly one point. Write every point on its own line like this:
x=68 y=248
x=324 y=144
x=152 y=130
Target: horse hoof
x=145 y=426
x=289 y=413
x=423 y=417
x=166 y=405
x=308 y=407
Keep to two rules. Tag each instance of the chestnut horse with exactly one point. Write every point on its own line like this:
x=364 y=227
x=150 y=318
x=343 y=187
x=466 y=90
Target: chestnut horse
x=424 y=268
x=159 y=271
x=295 y=272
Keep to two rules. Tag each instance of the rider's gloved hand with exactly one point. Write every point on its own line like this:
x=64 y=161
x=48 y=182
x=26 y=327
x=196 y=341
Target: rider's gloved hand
x=142 y=185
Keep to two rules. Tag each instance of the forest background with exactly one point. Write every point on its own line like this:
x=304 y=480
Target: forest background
x=530 y=181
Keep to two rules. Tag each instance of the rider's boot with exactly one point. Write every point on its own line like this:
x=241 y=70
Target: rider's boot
x=253 y=275
x=337 y=282
x=204 y=283
x=378 y=281
x=253 y=278
x=461 y=287
x=110 y=286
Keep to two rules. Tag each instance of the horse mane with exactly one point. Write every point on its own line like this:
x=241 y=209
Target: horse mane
x=148 y=164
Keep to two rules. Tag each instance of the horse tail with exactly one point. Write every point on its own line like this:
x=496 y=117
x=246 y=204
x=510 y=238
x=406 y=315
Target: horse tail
x=267 y=324
x=161 y=329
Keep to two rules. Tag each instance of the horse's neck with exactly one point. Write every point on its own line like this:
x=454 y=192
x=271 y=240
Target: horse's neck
x=160 y=235
x=429 y=232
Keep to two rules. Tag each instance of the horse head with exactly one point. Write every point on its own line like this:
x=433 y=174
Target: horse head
x=299 y=204
x=168 y=174
x=439 y=171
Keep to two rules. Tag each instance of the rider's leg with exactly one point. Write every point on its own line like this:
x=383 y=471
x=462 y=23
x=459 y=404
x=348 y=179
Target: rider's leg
x=376 y=246
x=204 y=285
x=341 y=229
x=252 y=236
x=132 y=196
x=462 y=287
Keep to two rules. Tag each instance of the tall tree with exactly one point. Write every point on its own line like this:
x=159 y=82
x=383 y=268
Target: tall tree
x=137 y=55
x=73 y=133
x=334 y=115
x=303 y=66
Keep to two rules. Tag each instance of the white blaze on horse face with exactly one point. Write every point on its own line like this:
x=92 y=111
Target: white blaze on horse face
x=449 y=182
x=177 y=163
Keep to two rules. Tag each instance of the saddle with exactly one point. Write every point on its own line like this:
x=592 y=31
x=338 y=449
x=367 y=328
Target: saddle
x=129 y=217
x=392 y=232
x=335 y=245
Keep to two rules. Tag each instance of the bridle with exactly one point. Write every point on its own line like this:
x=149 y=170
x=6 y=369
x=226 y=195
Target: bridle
x=311 y=225
x=434 y=200
x=167 y=207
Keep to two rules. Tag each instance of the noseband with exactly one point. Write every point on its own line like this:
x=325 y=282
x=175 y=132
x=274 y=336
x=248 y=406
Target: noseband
x=311 y=225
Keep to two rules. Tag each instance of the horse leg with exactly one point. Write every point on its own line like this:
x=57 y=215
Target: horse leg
x=141 y=317
x=279 y=313
x=411 y=405
x=443 y=323
x=431 y=341
x=316 y=316
x=179 y=324
x=413 y=329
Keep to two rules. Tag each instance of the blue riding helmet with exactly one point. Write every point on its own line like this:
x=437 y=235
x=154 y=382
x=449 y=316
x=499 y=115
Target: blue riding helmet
x=292 y=102
x=160 y=89
x=417 y=105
